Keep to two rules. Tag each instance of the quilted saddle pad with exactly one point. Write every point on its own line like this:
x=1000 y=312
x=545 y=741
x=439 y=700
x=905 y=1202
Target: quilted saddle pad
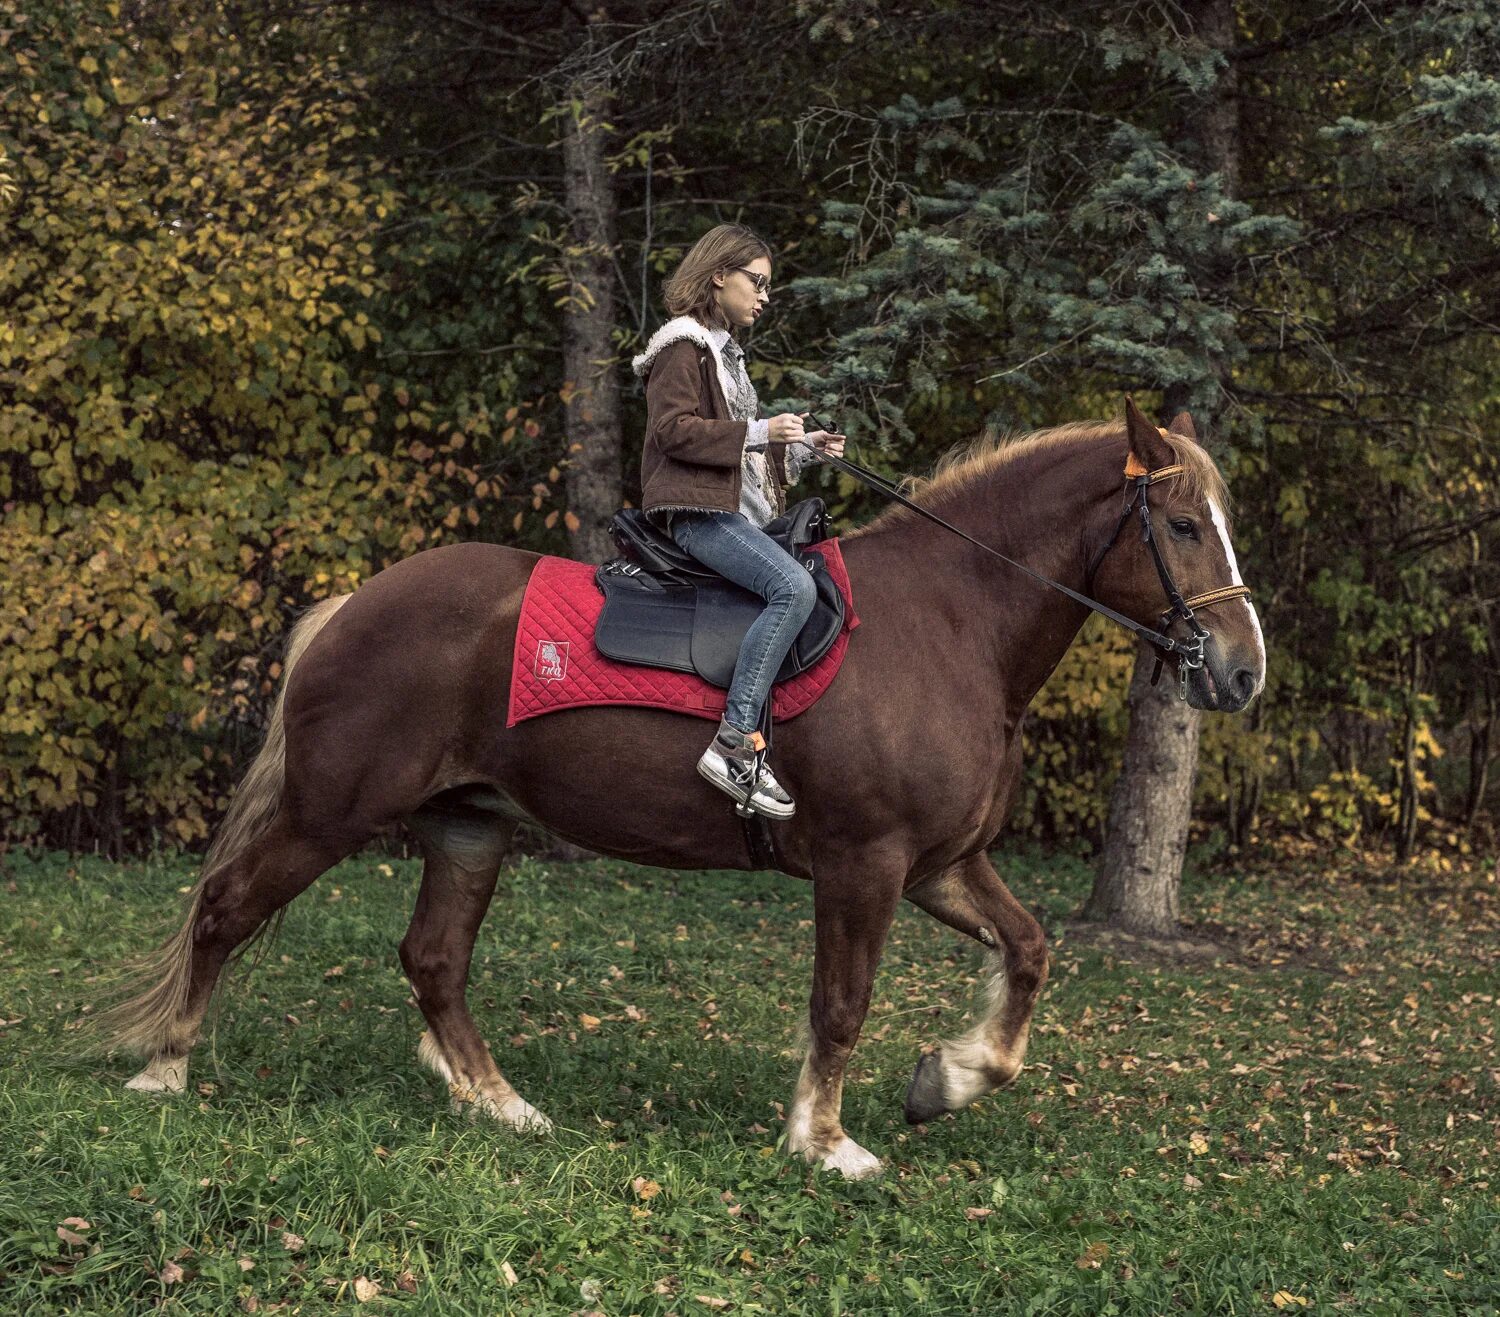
x=556 y=665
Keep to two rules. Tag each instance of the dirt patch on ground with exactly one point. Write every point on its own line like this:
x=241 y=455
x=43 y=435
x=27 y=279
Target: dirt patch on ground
x=1201 y=944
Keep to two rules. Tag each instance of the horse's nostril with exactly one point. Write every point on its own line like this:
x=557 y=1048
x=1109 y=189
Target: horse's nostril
x=1243 y=683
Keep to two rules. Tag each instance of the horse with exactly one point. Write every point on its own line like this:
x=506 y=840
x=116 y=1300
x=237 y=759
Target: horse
x=391 y=712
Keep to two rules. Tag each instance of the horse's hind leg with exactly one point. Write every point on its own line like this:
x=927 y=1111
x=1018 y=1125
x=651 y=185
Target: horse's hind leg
x=971 y=897
x=231 y=904
x=463 y=855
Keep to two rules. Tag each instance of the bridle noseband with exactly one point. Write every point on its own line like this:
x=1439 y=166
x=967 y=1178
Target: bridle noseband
x=1190 y=653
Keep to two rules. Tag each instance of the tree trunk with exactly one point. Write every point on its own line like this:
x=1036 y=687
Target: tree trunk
x=1136 y=885
x=591 y=391
x=1407 y=802
x=1479 y=770
x=1146 y=836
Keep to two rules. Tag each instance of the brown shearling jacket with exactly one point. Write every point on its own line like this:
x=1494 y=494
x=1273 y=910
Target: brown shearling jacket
x=693 y=453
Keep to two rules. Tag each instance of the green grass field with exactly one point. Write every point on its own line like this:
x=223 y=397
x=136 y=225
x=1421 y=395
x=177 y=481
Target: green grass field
x=1306 y=1122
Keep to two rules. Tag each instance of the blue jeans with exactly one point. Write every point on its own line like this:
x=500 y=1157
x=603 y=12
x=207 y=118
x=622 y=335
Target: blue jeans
x=738 y=551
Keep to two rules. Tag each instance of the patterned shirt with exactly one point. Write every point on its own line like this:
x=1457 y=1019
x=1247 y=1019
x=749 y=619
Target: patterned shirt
x=757 y=484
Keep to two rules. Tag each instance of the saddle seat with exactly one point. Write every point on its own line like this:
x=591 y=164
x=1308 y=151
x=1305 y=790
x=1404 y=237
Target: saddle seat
x=663 y=609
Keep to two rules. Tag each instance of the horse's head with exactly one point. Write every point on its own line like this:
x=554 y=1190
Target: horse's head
x=1180 y=541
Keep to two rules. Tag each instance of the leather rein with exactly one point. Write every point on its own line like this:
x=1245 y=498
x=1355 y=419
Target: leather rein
x=1190 y=652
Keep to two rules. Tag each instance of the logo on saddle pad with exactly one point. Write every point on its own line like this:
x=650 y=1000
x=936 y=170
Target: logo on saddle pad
x=551 y=660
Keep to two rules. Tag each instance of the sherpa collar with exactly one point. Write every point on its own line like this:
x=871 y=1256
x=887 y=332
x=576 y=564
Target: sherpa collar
x=674 y=330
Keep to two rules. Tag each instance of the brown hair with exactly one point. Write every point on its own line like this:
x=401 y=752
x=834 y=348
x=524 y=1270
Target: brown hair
x=689 y=290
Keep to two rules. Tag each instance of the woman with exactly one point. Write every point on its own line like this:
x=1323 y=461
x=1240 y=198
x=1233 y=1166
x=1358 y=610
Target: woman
x=713 y=474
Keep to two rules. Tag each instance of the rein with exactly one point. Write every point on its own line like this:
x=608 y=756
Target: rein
x=1190 y=653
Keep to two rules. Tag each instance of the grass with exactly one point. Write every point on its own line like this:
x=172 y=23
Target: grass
x=1304 y=1122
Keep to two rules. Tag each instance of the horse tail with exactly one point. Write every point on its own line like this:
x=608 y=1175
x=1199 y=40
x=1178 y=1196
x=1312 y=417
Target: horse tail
x=152 y=1020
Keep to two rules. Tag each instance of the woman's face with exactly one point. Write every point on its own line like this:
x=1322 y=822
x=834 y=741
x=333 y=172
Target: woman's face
x=737 y=296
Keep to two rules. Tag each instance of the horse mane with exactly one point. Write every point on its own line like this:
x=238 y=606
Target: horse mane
x=968 y=463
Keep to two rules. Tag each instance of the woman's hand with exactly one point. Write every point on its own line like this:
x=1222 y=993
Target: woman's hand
x=824 y=442
x=786 y=428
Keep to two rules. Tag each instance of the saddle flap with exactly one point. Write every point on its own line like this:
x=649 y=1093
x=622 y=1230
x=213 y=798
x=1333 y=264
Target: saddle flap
x=723 y=615
x=644 y=618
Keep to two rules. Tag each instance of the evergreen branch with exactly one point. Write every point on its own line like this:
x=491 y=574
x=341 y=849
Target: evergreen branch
x=1329 y=24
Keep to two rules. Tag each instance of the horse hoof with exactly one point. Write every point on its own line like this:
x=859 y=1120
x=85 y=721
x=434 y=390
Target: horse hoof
x=851 y=1161
x=520 y=1115
x=164 y=1074
x=924 y=1095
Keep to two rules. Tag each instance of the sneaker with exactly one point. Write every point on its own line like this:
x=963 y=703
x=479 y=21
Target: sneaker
x=729 y=763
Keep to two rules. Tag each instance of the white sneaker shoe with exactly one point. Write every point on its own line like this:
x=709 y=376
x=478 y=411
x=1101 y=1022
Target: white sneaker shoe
x=729 y=763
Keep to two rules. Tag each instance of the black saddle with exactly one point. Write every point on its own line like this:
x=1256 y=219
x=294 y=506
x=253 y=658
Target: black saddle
x=663 y=609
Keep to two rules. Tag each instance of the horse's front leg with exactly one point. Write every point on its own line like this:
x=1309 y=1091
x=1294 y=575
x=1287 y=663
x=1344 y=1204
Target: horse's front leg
x=853 y=905
x=971 y=897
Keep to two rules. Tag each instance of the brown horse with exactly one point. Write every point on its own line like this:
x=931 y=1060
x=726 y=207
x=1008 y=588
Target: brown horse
x=392 y=711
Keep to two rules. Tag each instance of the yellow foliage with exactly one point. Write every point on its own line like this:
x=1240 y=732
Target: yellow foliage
x=1074 y=736
x=183 y=272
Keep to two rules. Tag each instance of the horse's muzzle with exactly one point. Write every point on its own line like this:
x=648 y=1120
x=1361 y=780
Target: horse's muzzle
x=1223 y=684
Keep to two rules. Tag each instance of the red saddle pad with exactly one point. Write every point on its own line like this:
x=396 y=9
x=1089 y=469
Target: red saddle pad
x=557 y=667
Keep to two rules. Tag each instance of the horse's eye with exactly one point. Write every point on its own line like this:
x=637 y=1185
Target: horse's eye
x=1184 y=527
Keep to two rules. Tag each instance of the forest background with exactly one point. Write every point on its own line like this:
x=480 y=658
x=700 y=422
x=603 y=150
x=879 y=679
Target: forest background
x=289 y=291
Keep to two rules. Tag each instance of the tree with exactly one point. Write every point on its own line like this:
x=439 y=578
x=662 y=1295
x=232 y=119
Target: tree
x=187 y=445
x=1140 y=864
x=1306 y=278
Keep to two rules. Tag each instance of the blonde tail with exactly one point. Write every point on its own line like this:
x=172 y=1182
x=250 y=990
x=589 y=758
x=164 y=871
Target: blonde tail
x=152 y=1022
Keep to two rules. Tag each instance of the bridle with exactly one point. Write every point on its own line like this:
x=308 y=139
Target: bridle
x=1190 y=652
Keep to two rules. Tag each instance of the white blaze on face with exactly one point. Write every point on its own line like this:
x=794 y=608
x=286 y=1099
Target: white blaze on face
x=1222 y=527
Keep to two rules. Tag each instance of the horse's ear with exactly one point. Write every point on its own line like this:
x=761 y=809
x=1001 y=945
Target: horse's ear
x=1182 y=424
x=1147 y=449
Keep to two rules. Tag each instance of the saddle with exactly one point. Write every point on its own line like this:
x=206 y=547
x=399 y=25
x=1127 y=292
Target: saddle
x=663 y=609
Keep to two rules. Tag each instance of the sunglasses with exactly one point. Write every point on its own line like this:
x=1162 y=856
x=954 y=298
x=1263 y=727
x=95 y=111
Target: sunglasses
x=761 y=281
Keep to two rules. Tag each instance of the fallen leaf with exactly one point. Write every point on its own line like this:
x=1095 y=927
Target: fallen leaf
x=407 y=1281
x=508 y=1275
x=709 y=1301
x=365 y=1289
x=170 y=1273
x=1198 y=1144
x=589 y=1022
x=645 y=1188
x=1092 y=1258
x=291 y=1242
x=247 y=1264
x=1192 y=1183
x=68 y=1237
x=77 y=1222
x=1286 y=1299
x=977 y=1213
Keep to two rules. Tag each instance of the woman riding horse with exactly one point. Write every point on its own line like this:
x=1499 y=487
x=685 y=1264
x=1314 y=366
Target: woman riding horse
x=712 y=476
